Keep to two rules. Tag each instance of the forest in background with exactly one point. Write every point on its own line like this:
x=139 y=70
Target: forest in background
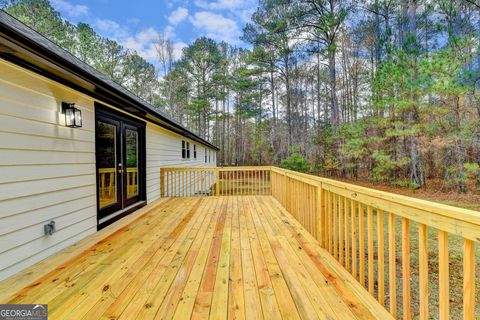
x=378 y=90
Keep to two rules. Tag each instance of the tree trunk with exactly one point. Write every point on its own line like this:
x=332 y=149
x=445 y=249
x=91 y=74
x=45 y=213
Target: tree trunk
x=416 y=166
x=289 y=102
x=333 y=86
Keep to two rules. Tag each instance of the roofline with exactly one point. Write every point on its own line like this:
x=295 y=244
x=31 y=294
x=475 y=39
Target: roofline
x=44 y=56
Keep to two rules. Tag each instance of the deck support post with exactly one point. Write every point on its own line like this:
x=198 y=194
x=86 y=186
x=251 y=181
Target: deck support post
x=321 y=215
x=217 y=182
x=162 y=182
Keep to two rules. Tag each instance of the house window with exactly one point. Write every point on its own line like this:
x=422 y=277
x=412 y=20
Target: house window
x=188 y=150
x=195 y=151
x=209 y=156
x=205 y=155
x=184 y=150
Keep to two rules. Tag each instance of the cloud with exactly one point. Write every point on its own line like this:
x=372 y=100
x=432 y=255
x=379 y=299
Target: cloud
x=178 y=15
x=143 y=43
x=134 y=20
x=72 y=10
x=220 y=4
x=239 y=10
x=169 y=32
x=111 y=29
x=216 y=26
x=178 y=49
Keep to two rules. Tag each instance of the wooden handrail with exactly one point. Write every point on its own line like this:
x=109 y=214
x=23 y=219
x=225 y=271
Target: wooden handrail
x=440 y=216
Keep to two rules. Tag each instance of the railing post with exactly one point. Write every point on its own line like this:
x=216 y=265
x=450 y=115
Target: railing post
x=217 y=182
x=270 y=179
x=162 y=182
x=321 y=216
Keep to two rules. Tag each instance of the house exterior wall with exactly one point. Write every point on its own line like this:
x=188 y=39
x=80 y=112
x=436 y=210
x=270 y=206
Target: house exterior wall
x=164 y=149
x=47 y=170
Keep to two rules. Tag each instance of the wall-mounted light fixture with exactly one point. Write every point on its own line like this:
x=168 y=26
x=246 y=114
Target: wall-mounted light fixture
x=73 y=116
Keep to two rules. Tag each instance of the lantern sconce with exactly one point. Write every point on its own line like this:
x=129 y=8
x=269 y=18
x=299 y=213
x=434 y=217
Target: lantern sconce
x=73 y=116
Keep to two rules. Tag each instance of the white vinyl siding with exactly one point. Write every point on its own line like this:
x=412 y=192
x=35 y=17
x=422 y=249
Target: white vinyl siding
x=164 y=149
x=47 y=171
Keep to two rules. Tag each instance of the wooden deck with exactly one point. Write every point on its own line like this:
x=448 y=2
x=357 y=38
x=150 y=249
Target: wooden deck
x=239 y=257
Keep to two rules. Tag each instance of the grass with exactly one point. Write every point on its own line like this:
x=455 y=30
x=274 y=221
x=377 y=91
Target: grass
x=455 y=269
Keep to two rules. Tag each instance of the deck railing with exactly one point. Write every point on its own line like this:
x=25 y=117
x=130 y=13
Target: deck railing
x=215 y=181
x=359 y=227
x=106 y=177
x=346 y=219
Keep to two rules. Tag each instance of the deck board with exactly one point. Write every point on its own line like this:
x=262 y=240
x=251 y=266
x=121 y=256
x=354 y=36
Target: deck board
x=236 y=257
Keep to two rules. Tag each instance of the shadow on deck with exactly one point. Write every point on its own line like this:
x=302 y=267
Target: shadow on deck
x=240 y=257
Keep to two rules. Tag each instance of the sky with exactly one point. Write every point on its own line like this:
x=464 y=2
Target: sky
x=136 y=23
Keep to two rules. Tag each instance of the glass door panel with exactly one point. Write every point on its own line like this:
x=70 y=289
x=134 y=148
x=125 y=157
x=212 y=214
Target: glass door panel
x=107 y=161
x=131 y=141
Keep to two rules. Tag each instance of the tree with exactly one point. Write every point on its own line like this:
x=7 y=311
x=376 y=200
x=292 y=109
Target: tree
x=270 y=33
x=202 y=62
x=322 y=20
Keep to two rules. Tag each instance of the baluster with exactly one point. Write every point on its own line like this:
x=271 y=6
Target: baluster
x=392 y=265
x=329 y=221
x=443 y=276
x=102 y=184
x=335 y=226
x=313 y=213
x=235 y=182
x=468 y=279
x=341 y=228
x=406 y=268
x=223 y=182
x=264 y=182
x=371 y=279
x=354 y=239
x=347 y=234
x=190 y=175
x=423 y=270
x=381 y=258
x=361 y=234
x=322 y=219
x=185 y=181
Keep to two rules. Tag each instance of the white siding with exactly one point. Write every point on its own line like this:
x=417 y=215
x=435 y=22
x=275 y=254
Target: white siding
x=164 y=149
x=47 y=171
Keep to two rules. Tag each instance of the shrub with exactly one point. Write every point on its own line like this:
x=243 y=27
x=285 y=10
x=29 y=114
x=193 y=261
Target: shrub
x=296 y=162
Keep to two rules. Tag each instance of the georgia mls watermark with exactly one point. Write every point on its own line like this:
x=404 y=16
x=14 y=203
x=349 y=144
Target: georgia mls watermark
x=23 y=312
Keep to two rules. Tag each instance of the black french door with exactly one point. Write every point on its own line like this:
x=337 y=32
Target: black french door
x=120 y=155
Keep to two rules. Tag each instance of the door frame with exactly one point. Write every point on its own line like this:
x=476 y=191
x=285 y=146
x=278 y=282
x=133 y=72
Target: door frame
x=102 y=111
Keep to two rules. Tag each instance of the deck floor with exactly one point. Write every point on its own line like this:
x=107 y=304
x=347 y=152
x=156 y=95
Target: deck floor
x=207 y=257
